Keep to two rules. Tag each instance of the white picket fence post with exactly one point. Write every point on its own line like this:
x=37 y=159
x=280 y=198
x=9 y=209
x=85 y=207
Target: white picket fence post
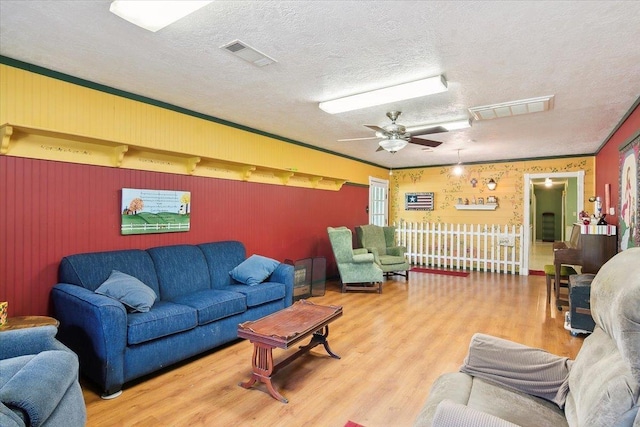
x=462 y=246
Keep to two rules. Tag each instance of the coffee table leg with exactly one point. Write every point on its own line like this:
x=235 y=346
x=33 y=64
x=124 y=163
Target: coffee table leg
x=262 y=363
x=320 y=337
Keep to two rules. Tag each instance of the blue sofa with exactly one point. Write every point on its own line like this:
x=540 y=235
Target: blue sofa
x=198 y=307
x=39 y=380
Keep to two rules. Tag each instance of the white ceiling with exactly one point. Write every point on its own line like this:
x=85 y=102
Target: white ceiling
x=586 y=53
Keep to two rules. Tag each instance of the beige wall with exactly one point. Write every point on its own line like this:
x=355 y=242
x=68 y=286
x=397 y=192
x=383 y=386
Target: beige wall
x=448 y=188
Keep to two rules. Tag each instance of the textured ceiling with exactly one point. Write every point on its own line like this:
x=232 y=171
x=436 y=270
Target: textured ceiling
x=586 y=53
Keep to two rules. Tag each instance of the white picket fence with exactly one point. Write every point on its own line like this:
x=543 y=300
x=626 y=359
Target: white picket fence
x=463 y=246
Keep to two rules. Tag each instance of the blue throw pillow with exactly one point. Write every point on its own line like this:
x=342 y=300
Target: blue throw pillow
x=128 y=290
x=254 y=270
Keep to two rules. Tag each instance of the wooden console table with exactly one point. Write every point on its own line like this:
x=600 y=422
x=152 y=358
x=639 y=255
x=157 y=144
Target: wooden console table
x=283 y=329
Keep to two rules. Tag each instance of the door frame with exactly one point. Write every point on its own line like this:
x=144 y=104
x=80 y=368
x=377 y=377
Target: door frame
x=526 y=223
x=379 y=183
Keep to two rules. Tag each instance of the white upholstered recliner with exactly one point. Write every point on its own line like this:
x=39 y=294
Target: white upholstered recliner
x=502 y=383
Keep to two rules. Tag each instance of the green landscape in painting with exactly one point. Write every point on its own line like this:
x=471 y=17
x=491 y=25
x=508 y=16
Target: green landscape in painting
x=147 y=223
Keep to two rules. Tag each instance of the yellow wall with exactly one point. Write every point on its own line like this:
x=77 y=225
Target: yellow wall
x=43 y=117
x=448 y=188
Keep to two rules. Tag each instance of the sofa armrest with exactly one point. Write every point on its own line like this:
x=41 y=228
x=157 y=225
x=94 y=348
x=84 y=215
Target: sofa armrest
x=40 y=384
x=95 y=327
x=284 y=273
x=451 y=414
x=8 y=418
x=530 y=370
x=20 y=342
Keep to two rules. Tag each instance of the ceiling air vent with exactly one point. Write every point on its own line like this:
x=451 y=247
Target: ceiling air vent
x=248 y=53
x=512 y=108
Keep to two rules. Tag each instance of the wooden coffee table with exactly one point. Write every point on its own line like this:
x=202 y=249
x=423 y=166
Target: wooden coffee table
x=284 y=329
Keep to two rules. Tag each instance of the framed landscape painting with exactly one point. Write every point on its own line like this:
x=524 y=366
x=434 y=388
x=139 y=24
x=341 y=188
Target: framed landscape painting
x=155 y=211
x=629 y=234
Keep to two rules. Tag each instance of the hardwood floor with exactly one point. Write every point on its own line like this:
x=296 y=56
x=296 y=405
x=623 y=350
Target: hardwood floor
x=393 y=346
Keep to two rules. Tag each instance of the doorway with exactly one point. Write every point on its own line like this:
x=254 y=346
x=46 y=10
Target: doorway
x=378 y=201
x=566 y=195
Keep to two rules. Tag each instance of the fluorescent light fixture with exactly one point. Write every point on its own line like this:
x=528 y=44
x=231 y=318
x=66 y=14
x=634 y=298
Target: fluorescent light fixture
x=154 y=15
x=512 y=108
x=393 y=144
x=386 y=95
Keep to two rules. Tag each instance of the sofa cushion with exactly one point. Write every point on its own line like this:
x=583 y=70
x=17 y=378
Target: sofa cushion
x=257 y=295
x=254 y=270
x=164 y=318
x=531 y=370
x=128 y=290
x=451 y=414
x=92 y=269
x=491 y=398
x=221 y=258
x=181 y=270
x=214 y=304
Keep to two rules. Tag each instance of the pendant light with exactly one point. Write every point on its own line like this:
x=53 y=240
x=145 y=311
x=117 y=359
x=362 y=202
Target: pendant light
x=457 y=170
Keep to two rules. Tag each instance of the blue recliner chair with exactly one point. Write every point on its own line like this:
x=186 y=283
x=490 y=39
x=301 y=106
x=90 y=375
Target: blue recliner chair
x=39 y=380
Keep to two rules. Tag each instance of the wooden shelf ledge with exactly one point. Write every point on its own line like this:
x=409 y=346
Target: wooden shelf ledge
x=30 y=142
x=485 y=207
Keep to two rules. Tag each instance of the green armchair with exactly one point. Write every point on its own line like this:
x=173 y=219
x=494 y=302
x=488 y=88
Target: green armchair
x=357 y=268
x=380 y=241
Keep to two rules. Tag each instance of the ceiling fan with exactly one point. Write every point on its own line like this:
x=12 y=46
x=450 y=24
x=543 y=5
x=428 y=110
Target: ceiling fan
x=394 y=137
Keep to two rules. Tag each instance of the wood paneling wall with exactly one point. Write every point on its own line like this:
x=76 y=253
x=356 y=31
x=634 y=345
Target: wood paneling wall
x=608 y=161
x=52 y=209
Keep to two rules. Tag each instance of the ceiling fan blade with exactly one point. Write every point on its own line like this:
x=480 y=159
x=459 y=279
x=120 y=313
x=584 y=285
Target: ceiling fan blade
x=425 y=142
x=377 y=128
x=358 y=139
x=426 y=131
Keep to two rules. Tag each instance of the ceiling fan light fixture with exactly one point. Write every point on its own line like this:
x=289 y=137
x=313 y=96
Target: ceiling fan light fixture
x=393 y=144
x=154 y=15
x=415 y=89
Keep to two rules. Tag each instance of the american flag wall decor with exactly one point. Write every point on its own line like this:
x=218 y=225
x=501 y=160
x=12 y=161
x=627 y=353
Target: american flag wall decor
x=418 y=201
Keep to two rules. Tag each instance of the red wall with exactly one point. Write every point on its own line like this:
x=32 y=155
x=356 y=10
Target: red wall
x=608 y=161
x=52 y=209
